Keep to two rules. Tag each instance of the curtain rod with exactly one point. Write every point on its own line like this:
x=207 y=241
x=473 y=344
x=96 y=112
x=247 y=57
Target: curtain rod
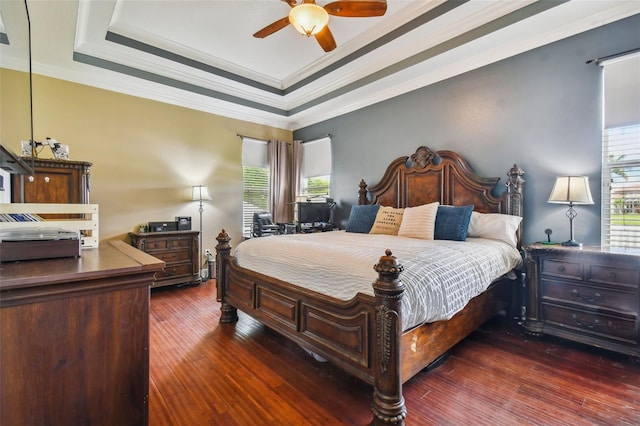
x=328 y=135
x=251 y=137
x=598 y=61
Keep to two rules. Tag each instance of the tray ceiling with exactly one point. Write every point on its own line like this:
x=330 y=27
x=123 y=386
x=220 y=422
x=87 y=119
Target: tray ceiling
x=201 y=54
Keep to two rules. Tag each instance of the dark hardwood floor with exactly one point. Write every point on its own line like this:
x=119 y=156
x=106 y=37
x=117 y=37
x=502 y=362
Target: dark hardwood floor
x=205 y=373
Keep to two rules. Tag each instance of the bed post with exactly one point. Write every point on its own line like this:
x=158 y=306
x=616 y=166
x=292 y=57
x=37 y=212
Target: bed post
x=515 y=187
x=223 y=251
x=362 y=193
x=388 y=403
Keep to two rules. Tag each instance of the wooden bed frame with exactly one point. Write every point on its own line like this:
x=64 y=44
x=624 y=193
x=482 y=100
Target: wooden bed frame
x=363 y=335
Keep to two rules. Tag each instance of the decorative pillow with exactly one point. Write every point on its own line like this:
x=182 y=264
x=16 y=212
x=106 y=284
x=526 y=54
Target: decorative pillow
x=361 y=218
x=419 y=222
x=388 y=220
x=452 y=222
x=496 y=226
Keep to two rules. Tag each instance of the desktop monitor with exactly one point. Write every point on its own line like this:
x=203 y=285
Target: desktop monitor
x=314 y=212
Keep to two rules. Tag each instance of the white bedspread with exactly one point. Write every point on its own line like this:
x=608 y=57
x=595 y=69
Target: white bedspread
x=440 y=277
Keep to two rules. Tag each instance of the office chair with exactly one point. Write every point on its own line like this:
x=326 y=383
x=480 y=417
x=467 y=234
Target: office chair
x=263 y=225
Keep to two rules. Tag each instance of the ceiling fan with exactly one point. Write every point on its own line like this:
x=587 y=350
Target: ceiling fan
x=311 y=20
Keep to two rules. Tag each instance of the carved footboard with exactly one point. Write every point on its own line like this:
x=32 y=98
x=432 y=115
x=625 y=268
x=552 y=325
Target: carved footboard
x=362 y=336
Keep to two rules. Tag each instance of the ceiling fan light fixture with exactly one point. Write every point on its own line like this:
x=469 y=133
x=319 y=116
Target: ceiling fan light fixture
x=308 y=18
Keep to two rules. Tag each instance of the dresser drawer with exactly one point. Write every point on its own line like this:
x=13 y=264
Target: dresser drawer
x=611 y=275
x=156 y=244
x=575 y=293
x=173 y=271
x=561 y=268
x=591 y=323
x=180 y=243
x=172 y=256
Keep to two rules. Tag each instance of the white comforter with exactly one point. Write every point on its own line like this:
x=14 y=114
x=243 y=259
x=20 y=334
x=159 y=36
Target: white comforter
x=440 y=277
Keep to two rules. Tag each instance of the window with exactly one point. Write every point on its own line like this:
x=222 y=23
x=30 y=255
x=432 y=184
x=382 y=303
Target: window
x=255 y=181
x=316 y=168
x=621 y=154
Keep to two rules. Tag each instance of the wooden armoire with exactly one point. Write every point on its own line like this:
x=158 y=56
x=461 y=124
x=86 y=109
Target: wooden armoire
x=54 y=181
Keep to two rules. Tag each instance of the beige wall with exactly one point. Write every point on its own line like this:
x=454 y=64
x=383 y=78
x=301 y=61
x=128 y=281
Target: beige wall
x=146 y=155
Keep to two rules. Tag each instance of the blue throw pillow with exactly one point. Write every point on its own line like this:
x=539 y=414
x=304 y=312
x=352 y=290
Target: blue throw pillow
x=361 y=218
x=452 y=222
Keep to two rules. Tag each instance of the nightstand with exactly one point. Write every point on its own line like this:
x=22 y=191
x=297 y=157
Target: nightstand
x=587 y=295
x=179 y=250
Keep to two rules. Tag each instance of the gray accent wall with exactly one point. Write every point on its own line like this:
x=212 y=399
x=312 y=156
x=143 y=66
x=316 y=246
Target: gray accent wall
x=541 y=109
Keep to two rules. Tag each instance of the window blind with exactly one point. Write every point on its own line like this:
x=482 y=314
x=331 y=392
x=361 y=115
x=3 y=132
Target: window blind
x=255 y=181
x=254 y=153
x=316 y=158
x=621 y=154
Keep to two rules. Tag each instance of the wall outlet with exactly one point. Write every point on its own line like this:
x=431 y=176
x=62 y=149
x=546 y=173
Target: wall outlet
x=207 y=252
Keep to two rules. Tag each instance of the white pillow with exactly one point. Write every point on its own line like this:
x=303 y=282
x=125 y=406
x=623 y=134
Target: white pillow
x=419 y=222
x=495 y=226
x=388 y=220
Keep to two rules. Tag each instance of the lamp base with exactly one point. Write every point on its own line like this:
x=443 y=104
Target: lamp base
x=572 y=243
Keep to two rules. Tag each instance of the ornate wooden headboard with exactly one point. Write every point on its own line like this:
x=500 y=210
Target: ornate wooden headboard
x=427 y=176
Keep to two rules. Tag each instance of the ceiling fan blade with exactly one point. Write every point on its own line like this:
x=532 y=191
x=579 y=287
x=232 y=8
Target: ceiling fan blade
x=325 y=39
x=357 y=8
x=272 y=28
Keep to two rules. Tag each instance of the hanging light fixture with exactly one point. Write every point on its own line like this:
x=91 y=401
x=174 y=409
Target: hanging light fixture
x=308 y=18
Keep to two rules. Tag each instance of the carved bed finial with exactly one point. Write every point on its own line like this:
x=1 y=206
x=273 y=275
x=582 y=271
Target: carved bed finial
x=362 y=193
x=423 y=156
x=223 y=240
x=388 y=265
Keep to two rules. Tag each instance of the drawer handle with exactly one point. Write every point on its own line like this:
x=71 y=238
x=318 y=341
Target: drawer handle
x=561 y=268
x=612 y=274
x=596 y=297
x=590 y=325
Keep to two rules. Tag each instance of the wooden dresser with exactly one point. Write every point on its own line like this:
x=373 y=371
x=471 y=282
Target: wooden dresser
x=74 y=338
x=54 y=181
x=180 y=251
x=585 y=294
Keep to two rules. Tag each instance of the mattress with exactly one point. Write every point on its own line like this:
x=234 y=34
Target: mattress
x=440 y=277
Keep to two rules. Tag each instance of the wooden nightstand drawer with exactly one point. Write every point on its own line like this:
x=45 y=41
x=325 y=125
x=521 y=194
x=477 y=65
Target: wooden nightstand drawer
x=592 y=323
x=180 y=243
x=172 y=256
x=563 y=269
x=615 y=276
x=156 y=244
x=574 y=293
x=172 y=271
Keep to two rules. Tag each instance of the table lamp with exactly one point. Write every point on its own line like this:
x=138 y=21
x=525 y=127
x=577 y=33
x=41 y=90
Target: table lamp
x=571 y=190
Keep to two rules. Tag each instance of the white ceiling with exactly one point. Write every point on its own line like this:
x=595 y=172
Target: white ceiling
x=201 y=54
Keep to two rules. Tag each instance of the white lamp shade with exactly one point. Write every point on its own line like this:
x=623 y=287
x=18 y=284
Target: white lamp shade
x=199 y=193
x=571 y=189
x=308 y=18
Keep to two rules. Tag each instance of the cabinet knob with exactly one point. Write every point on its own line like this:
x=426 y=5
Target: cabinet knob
x=46 y=179
x=561 y=269
x=31 y=178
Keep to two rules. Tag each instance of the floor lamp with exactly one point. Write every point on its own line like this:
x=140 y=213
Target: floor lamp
x=200 y=193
